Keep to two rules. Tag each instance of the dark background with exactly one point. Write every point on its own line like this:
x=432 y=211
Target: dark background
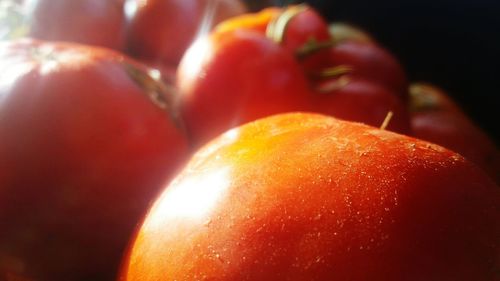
x=453 y=44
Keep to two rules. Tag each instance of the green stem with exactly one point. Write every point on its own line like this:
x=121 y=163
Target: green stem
x=276 y=29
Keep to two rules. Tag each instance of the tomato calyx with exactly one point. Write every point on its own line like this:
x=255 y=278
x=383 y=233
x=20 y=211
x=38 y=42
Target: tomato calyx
x=333 y=85
x=278 y=26
x=420 y=101
x=346 y=32
x=151 y=83
x=312 y=46
x=276 y=29
x=337 y=76
x=335 y=71
x=158 y=91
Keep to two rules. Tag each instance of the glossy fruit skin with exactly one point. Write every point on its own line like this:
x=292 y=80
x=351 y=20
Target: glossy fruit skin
x=83 y=149
x=234 y=77
x=308 y=197
x=93 y=22
x=435 y=117
x=366 y=60
x=372 y=62
x=351 y=98
x=162 y=30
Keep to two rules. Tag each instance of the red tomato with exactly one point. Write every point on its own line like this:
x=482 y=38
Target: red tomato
x=372 y=62
x=366 y=60
x=295 y=27
x=307 y=197
x=230 y=78
x=298 y=25
x=436 y=118
x=298 y=28
x=351 y=98
x=85 y=142
x=162 y=30
x=93 y=22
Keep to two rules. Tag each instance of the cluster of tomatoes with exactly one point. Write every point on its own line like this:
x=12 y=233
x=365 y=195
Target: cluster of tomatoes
x=278 y=147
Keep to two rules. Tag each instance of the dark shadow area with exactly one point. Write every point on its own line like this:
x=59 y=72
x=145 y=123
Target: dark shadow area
x=453 y=44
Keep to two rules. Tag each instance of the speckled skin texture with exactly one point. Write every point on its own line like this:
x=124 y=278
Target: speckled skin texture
x=307 y=197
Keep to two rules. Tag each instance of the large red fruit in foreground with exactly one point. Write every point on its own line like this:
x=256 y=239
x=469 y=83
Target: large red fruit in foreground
x=308 y=197
x=85 y=142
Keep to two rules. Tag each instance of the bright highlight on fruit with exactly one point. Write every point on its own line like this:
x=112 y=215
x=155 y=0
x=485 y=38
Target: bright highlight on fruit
x=310 y=197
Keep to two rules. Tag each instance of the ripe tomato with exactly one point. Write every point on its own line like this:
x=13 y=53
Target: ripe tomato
x=295 y=27
x=351 y=98
x=85 y=142
x=372 y=62
x=162 y=30
x=233 y=77
x=93 y=22
x=366 y=60
x=307 y=197
x=437 y=118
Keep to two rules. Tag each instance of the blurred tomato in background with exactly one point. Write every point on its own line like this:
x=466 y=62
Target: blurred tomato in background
x=93 y=22
x=454 y=44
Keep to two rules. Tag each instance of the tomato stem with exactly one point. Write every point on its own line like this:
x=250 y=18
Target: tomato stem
x=332 y=72
x=420 y=100
x=386 y=121
x=151 y=83
x=333 y=85
x=312 y=46
x=159 y=92
x=276 y=29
